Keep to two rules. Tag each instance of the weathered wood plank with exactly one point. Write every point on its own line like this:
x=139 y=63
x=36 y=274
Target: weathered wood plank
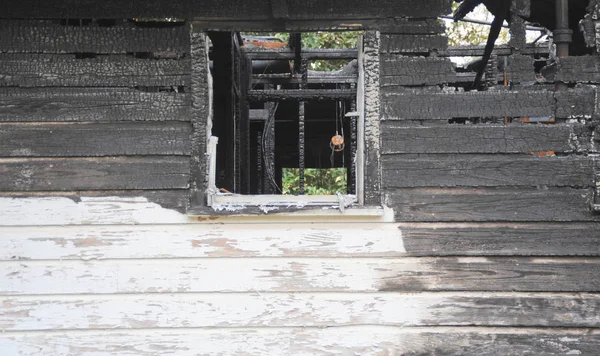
x=301 y=310
x=399 y=171
x=109 y=105
x=425 y=105
x=106 y=173
x=42 y=70
x=81 y=140
x=298 y=240
x=363 y=340
x=84 y=208
x=477 y=138
x=221 y=275
x=181 y=241
x=576 y=103
x=39 y=36
x=554 y=204
x=232 y=10
x=412 y=44
x=403 y=70
x=501 y=239
x=579 y=69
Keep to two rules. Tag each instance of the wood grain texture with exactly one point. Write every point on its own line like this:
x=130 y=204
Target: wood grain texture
x=493 y=204
x=415 y=71
x=80 y=140
x=399 y=171
x=202 y=241
x=232 y=10
x=299 y=310
x=501 y=239
x=107 y=173
x=412 y=44
x=363 y=340
x=46 y=70
x=319 y=240
x=576 y=103
x=89 y=208
x=424 y=105
x=40 y=36
x=396 y=138
x=74 y=104
x=578 y=69
x=225 y=275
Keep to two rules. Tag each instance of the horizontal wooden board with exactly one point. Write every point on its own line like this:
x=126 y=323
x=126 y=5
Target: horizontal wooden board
x=199 y=241
x=46 y=70
x=576 y=103
x=578 y=69
x=396 y=138
x=304 y=310
x=322 y=240
x=102 y=208
x=399 y=171
x=412 y=44
x=105 y=173
x=221 y=275
x=92 y=105
x=231 y=10
x=425 y=105
x=501 y=239
x=356 y=340
x=411 y=71
x=493 y=204
x=80 y=140
x=40 y=36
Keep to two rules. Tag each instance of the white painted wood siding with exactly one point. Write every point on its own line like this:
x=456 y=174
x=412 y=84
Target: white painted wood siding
x=122 y=276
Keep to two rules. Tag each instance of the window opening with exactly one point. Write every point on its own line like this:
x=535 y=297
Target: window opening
x=285 y=116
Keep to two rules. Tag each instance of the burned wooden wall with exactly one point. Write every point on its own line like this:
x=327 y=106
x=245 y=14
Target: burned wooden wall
x=92 y=107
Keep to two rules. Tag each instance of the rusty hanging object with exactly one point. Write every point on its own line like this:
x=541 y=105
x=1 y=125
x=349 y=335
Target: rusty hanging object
x=337 y=143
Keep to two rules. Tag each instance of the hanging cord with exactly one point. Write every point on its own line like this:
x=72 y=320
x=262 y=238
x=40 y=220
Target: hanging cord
x=267 y=128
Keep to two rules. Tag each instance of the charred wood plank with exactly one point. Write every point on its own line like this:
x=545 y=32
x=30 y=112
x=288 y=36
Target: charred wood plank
x=386 y=24
x=309 y=54
x=501 y=50
x=492 y=204
x=32 y=70
x=578 y=69
x=412 y=44
x=520 y=69
x=476 y=138
x=401 y=70
x=42 y=36
x=487 y=171
x=218 y=10
x=501 y=239
x=301 y=94
x=92 y=105
x=576 y=103
x=105 y=173
x=425 y=105
x=295 y=79
x=81 y=140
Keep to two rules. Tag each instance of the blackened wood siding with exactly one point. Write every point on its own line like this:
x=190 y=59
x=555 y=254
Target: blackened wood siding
x=102 y=105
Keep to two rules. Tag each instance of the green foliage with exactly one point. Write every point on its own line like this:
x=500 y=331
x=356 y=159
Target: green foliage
x=322 y=39
x=317 y=181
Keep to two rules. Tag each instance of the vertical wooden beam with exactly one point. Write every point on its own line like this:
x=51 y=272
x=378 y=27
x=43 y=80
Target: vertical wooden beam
x=200 y=116
x=369 y=58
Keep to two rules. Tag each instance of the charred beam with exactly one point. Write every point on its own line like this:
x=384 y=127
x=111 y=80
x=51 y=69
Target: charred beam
x=301 y=95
